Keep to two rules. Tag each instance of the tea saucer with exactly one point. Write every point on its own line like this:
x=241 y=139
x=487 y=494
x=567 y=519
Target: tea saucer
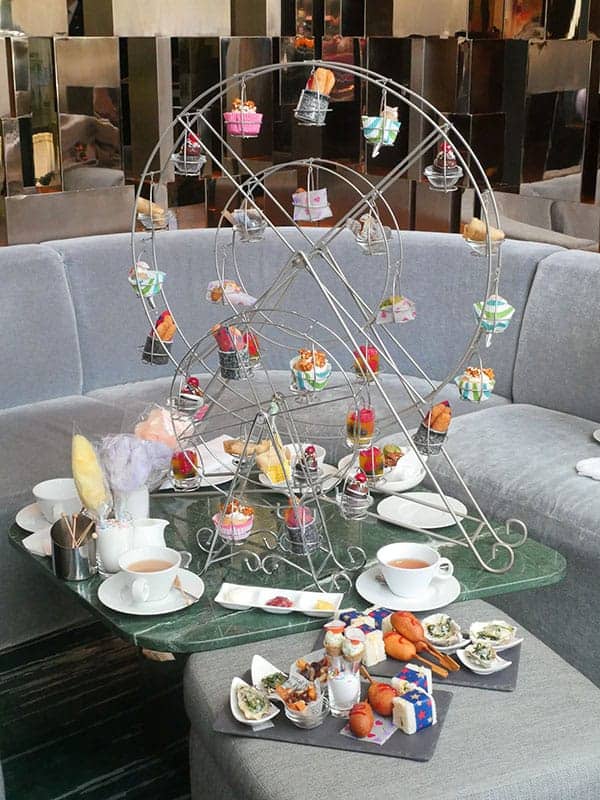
x=40 y=543
x=440 y=592
x=31 y=519
x=114 y=594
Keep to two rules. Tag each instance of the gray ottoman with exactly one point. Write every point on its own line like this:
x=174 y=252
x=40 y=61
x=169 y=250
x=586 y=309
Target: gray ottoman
x=541 y=742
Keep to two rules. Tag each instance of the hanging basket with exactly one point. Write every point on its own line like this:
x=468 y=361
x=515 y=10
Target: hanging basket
x=312 y=108
x=380 y=130
x=311 y=206
x=243 y=124
x=243 y=121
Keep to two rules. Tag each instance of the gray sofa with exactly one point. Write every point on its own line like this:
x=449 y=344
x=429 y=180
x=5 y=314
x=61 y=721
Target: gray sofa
x=71 y=353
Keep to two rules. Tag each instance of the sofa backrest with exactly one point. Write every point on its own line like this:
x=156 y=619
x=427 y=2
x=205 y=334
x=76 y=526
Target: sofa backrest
x=439 y=273
x=559 y=348
x=444 y=279
x=39 y=356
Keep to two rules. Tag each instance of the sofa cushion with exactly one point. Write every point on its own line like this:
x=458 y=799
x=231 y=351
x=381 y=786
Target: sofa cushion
x=36 y=439
x=436 y=268
x=39 y=358
x=559 y=347
x=516 y=229
x=576 y=219
x=519 y=461
x=536 y=743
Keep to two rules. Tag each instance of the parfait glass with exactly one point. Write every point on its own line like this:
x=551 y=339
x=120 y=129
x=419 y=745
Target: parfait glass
x=366 y=356
x=360 y=425
x=343 y=685
x=186 y=475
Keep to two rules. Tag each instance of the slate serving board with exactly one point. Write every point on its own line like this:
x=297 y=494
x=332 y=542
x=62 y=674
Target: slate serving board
x=504 y=681
x=417 y=747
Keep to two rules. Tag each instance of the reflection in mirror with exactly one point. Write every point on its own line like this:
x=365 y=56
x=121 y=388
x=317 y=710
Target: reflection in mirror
x=553 y=147
x=524 y=19
x=486 y=19
x=44 y=116
x=341 y=49
x=89 y=95
x=305 y=17
x=292 y=49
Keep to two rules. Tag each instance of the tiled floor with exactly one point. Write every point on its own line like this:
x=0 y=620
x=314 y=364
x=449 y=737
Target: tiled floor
x=82 y=717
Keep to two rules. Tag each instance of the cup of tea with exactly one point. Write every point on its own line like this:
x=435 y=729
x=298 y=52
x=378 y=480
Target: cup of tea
x=409 y=568
x=56 y=497
x=151 y=571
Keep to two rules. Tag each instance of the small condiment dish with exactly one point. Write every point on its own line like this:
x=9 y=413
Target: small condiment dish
x=498 y=646
x=496 y=666
x=313 y=715
x=261 y=668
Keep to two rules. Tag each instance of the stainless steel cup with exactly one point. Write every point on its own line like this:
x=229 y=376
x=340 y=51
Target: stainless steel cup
x=73 y=563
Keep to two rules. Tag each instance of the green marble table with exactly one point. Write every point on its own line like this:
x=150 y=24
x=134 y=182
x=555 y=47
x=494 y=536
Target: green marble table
x=207 y=626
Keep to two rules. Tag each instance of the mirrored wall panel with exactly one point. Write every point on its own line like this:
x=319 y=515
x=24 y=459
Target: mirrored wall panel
x=89 y=105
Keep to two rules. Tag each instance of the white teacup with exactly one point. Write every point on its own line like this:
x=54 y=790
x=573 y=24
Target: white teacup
x=413 y=580
x=56 y=497
x=151 y=571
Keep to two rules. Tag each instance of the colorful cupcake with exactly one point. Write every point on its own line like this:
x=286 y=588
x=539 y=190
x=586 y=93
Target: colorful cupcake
x=476 y=384
x=234 y=522
x=495 y=314
x=243 y=119
x=310 y=370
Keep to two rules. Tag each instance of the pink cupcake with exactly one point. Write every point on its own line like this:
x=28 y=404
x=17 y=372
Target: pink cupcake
x=234 y=522
x=243 y=120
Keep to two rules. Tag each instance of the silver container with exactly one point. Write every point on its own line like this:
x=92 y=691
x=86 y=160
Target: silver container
x=312 y=108
x=73 y=563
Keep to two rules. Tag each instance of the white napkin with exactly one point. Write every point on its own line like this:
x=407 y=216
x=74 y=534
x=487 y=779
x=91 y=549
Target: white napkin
x=39 y=543
x=214 y=458
x=589 y=468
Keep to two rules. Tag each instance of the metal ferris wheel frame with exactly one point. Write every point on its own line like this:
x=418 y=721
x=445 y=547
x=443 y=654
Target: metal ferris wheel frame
x=441 y=129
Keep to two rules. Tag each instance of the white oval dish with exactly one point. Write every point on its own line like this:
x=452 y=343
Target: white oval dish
x=408 y=510
x=261 y=668
x=235 y=709
x=497 y=666
x=448 y=646
x=500 y=646
x=407 y=474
